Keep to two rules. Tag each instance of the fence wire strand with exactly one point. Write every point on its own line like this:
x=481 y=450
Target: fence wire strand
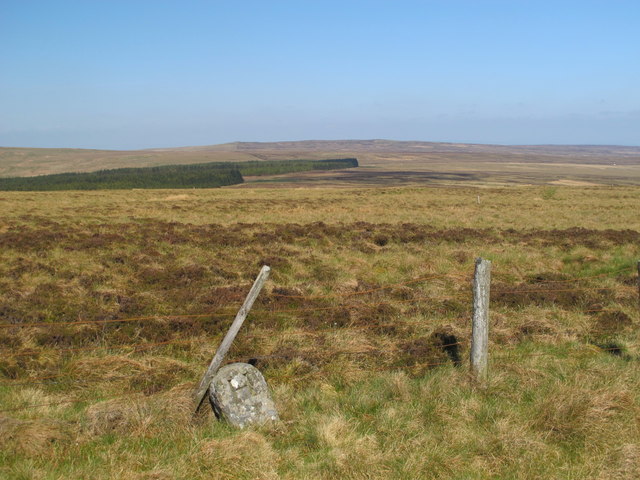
x=591 y=277
x=334 y=296
x=373 y=290
x=114 y=320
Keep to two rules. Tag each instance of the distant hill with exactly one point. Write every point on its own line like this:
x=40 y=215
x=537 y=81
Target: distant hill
x=380 y=146
x=529 y=163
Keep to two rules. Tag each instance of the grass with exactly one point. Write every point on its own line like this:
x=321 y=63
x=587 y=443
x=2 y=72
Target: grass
x=363 y=383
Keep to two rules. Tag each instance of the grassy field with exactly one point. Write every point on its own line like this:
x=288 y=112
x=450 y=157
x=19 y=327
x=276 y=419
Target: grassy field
x=362 y=332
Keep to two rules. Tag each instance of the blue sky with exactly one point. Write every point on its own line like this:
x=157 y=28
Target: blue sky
x=137 y=74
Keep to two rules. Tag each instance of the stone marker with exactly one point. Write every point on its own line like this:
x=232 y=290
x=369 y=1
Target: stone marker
x=239 y=394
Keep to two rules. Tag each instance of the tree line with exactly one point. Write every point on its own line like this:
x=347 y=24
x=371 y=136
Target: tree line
x=199 y=175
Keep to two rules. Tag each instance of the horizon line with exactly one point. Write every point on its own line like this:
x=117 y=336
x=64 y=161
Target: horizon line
x=490 y=144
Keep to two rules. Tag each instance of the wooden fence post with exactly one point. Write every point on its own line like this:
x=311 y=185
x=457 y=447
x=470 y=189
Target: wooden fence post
x=203 y=387
x=480 y=322
x=638 y=281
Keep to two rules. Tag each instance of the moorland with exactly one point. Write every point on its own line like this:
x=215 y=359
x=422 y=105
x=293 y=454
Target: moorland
x=382 y=162
x=113 y=302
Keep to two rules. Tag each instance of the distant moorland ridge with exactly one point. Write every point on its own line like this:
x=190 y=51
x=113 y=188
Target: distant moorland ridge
x=379 y=146
x=402 y=155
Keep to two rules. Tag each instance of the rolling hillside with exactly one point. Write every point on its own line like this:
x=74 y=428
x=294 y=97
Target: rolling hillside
x=383 y=161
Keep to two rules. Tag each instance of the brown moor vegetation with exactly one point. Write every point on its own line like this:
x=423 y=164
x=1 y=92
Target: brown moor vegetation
x=112 y=303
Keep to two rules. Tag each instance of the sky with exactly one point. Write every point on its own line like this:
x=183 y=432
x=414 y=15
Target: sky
x=141 y=74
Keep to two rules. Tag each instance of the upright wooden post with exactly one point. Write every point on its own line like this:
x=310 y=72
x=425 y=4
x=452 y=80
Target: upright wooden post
x=638 y=281
x=215 y=364
x=480 y=322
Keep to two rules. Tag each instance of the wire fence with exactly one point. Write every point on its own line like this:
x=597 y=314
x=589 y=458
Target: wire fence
x=271 y=304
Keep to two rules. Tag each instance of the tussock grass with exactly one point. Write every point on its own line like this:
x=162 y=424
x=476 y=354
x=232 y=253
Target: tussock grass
x=353 y=348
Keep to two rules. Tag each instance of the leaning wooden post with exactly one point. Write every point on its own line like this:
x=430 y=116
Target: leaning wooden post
x=480 y=322
x=215 y=364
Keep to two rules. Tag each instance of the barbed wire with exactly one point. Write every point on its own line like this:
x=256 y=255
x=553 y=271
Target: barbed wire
x=353 y=305
x=579 y=289
x=596 y=350
x=114 y=320
x=215 y=314
x=135 y=346
x=50 y=379
x=373 y=290
x=147 y=345
x=588 y=277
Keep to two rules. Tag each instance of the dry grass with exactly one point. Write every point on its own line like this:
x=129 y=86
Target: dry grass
x=356 y=357
x=31 y=438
